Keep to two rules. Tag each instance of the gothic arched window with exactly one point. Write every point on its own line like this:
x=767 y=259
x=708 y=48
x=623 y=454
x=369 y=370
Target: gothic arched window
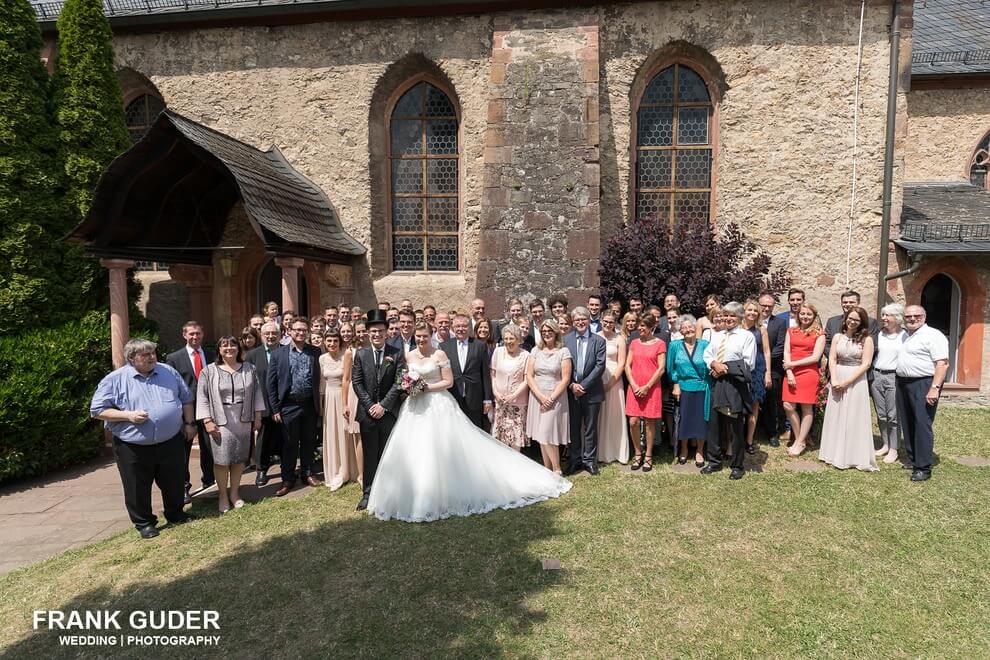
x=141 y=113
x=674 y=147
x=980 y=164
x=424 y=165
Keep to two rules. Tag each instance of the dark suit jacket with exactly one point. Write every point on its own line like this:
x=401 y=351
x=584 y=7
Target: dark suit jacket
x=731 y=391
x=474 y=384
x=594 y=365
x=279 y=381
x=396 y=342
x=258 y=358
x=179 y=360
x=379 y=386
x=776 y=333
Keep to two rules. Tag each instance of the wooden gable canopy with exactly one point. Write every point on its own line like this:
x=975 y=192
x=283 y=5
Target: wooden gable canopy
x=168 y=197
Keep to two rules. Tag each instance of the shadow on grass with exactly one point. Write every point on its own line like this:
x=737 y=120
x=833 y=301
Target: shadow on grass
x=356 y=587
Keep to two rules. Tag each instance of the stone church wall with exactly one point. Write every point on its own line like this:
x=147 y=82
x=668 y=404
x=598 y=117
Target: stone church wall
x=786 y=73
x=944 y=127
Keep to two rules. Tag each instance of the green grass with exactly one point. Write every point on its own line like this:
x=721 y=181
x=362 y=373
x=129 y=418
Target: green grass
x=780 y=564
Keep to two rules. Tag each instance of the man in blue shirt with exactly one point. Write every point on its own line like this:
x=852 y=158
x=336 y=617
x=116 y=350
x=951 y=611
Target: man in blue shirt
x=149 y=410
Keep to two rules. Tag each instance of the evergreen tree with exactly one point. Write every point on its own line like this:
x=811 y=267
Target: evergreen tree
x=32 y=279
x=89 y=111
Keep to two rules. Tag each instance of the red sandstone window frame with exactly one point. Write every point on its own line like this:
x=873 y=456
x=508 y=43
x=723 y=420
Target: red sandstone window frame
x=390 y=233
x=714 y=101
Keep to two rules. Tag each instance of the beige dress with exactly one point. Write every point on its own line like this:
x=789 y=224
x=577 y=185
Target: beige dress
x=847 y=432
x=508 y=374
x=341 y=462
x=613 y=432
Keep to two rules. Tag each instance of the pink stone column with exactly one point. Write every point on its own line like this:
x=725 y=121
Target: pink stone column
x=119 y=320
x=290 y=281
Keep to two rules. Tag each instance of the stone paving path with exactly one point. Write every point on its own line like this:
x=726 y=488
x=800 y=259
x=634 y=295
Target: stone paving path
x=42 y=517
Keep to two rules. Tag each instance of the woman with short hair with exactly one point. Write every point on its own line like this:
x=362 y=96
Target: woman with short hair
x=692 y=388
x=883 y=388
x=229 y=402
x=509 y=389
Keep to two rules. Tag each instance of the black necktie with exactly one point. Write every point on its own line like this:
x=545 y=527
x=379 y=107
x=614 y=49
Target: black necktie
x=378 y=358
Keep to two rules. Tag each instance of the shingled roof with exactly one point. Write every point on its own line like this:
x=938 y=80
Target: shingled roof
x=951 y=37
x=941 y=218
x=173 y=189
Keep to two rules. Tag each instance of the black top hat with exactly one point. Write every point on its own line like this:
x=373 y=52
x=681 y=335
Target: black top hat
x=376 y=317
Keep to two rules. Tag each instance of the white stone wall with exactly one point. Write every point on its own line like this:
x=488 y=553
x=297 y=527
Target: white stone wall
x=944 y=127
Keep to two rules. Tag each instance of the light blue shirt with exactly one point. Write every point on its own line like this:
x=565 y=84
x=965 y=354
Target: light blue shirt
x=162 y=394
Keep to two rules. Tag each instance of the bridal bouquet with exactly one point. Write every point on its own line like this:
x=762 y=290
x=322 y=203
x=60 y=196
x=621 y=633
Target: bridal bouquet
x=411 y=382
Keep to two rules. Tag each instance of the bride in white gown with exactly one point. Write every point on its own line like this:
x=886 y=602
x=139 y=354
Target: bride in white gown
x=438 y=464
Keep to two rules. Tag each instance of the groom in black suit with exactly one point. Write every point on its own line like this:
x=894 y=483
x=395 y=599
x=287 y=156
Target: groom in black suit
x=471 y=366
x=374 y=379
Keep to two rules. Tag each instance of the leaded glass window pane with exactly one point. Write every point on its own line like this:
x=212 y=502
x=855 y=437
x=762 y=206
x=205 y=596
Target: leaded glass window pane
x=141 y=113
x=673 y=173
x=425 y=159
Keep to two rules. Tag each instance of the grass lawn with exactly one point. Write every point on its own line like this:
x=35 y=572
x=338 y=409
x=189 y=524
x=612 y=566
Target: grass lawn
x=781 y=564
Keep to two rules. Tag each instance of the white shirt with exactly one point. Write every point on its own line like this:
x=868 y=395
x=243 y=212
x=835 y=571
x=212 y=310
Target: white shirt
x=740 y=346
x=888 y=347
x=192 y=359
x=462 y=349
x=920 y=351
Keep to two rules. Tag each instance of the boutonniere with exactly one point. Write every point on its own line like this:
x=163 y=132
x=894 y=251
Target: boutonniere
x=389 y=359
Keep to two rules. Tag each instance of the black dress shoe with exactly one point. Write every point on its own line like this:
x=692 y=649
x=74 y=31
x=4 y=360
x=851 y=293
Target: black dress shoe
x=591 y=469
x=711 y=469
x=568 y=471
x=737 y=474
x=918 y=475
x=186 y=496
x=184 y=518
x=148 y=531
x=363 y=504
x=682 y=460
x=773 y=442
x=261 y=478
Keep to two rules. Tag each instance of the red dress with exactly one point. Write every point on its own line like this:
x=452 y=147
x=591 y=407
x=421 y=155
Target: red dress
x=806 y=389
x=644 y=365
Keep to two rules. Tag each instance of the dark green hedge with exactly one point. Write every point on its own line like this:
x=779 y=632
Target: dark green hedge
x=47 y=378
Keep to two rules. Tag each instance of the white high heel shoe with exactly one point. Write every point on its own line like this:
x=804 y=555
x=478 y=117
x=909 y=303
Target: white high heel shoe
x=891 y=456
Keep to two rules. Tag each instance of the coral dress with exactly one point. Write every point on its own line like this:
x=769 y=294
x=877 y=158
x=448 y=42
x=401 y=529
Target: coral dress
x=644 y=364
x=806 y=389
